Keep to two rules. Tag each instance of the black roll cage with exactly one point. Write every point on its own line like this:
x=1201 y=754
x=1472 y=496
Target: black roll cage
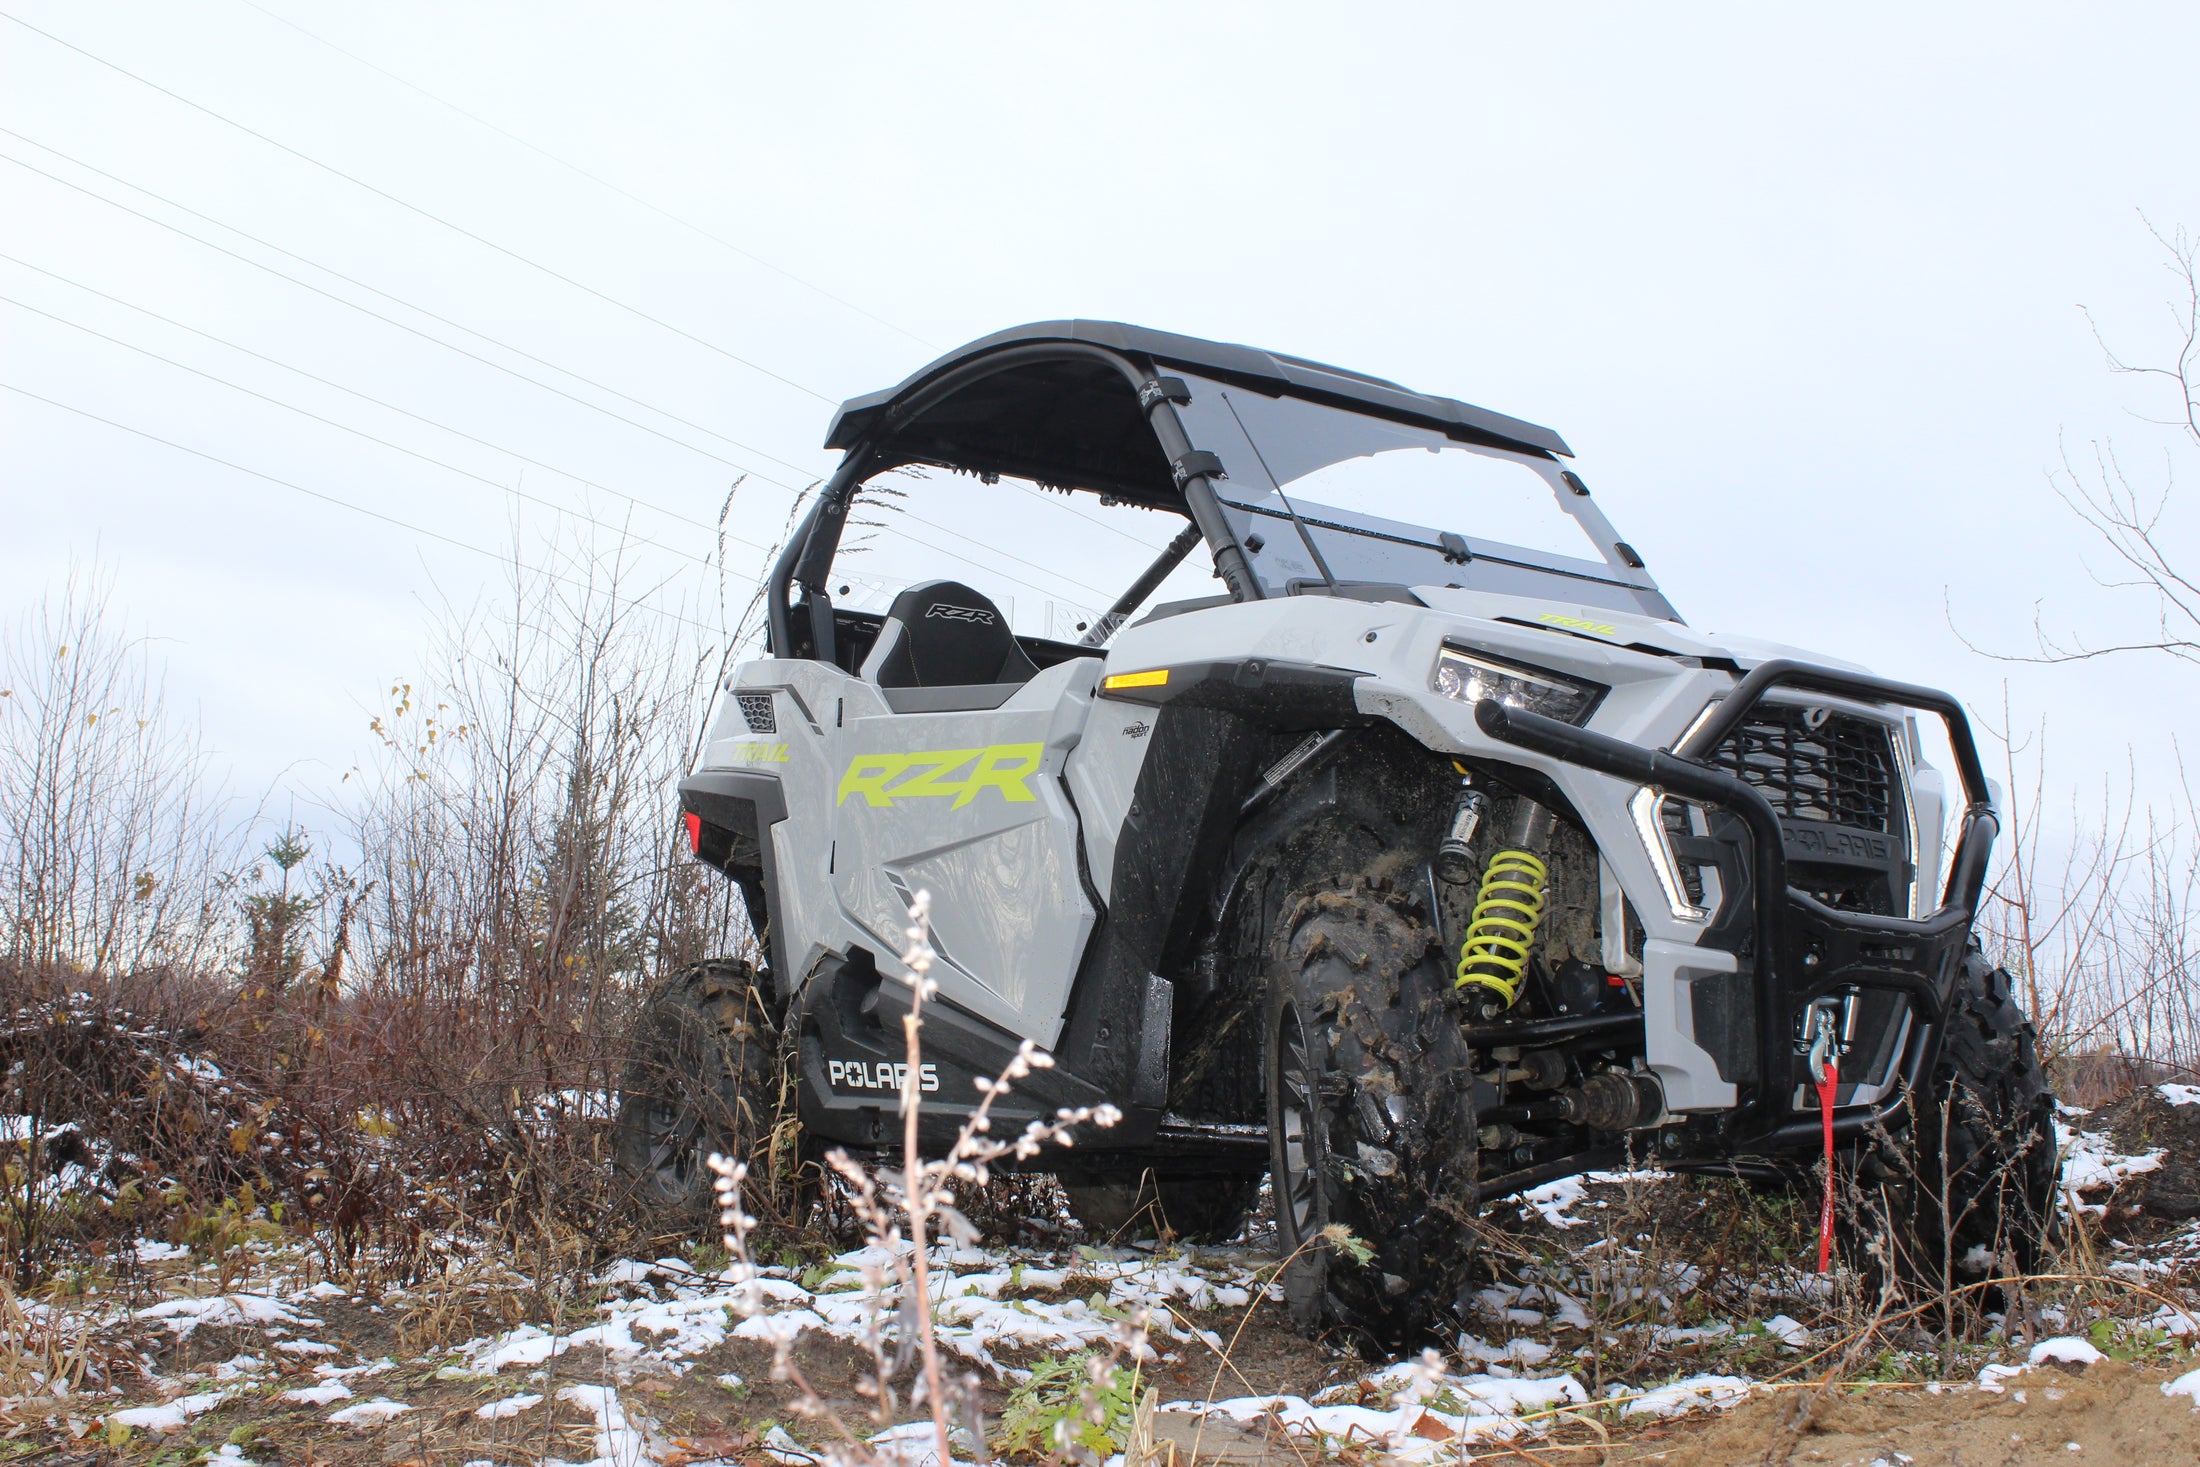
x=807 y=559
x=885 y=430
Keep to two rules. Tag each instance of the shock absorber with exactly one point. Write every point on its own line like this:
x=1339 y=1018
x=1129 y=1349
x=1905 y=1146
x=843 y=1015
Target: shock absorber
x=1507 y=910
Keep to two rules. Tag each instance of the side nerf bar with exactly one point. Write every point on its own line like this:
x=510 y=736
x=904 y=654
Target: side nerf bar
x=1780 y=908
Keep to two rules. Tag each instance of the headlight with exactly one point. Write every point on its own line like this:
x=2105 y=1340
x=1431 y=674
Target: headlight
x=1471 y=677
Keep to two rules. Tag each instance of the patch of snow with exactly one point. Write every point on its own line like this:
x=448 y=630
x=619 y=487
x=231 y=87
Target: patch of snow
x=2179 y=1094
x=152 y=1250
x=182 y=1316
x=1552 y=1200
x=785 y=1450
x=1517 y=1351
x=2067 y=1348
x=527 y=1345
x=2091 y=1164
x=1488 y=1407
x=1991 y=1377
x=172 y=1416
x=305 y=1347
x=1696 y=1393
x=326 y=1394
x=324 y=1290
x=507 y=1408
x=367 y=1413
x=917 y=1444
x=618 y=1442
x=2174 y=1322
x=1789 y=1332
x=2186 y=1385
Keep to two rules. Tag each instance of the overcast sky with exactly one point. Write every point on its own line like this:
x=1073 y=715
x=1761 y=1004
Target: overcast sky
x=1803 y=292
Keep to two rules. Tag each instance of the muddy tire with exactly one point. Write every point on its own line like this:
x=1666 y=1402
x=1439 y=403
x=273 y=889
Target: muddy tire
x=1975 y=1193
x=1194 y=1209
x=700 y=1077
x=1370 y=1119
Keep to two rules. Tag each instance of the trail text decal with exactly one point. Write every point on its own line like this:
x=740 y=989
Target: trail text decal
x=1577 y=623
x=866 y=1075
x=884 y=778
x=745 y=752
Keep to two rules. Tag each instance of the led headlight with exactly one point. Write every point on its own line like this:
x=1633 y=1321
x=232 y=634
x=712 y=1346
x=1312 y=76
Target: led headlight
x=1472 y=676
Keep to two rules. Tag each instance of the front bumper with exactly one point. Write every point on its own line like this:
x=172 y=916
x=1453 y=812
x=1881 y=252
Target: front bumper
x=1792 y=949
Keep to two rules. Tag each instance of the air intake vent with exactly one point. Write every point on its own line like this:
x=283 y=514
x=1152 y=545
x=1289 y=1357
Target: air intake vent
x=1817 y=764
x=756 y=712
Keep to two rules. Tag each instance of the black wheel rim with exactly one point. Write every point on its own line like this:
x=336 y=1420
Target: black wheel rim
x=675 y=1135
x=1296 y=1111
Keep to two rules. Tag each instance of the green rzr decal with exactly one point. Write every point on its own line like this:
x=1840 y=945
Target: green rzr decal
x=932 y=774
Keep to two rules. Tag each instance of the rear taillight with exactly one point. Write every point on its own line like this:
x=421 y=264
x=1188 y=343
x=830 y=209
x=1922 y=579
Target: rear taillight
x=694 y=823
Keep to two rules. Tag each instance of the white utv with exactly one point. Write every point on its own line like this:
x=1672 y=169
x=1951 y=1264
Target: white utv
x=1415 y=864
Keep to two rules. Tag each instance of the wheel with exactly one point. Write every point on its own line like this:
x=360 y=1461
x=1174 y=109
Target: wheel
x=1974 y=1186
x=1204 y=1209
x=700 y=1077
x=1370 y=1118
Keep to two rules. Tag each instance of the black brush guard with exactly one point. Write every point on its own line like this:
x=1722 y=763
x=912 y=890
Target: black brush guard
x=1798 y=948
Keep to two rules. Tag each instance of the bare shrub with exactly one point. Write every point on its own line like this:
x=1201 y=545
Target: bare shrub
x=116 y=853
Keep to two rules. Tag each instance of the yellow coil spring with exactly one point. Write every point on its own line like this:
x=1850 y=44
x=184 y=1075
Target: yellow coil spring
x=1506 y=912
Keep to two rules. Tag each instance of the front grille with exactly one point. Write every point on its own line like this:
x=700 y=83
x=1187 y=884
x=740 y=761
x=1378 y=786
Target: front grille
x=756 y=712
x=1817 y=764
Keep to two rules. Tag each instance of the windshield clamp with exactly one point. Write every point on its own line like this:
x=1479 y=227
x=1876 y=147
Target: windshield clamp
x=1194 y=464
x=1155 y=391
x=1455 y=547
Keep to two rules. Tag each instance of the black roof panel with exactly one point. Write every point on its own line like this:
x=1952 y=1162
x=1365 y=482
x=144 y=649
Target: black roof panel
x=1268 y=371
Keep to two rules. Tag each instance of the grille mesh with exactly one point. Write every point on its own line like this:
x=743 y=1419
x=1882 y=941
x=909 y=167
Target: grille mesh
x=756 y=712
x=1842 y=771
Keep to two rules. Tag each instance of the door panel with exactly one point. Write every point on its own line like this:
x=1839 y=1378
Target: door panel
x=970 y=807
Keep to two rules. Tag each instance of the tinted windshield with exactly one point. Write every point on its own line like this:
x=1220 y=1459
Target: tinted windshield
x=1388 y=503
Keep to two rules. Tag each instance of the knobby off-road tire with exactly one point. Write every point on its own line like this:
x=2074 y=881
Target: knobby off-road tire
x=1194 y=1209
x=1370 y=1118
x=1975 y=1192
x=701 y=1076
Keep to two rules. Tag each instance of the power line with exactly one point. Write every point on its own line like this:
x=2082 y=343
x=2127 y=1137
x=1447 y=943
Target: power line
x=466 y=473
x=380 y=193
x=510 y=489
x=600 y=181
x=486 y=361
x=397 y=300
x=326 y=498
x=512 y=453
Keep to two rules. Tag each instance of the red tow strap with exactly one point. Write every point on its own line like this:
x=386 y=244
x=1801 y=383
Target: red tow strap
x=1825 y=1116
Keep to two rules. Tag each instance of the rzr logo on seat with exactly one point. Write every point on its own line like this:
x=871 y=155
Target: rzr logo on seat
x=884 y=778
x=865 y=1075
x=946 y=612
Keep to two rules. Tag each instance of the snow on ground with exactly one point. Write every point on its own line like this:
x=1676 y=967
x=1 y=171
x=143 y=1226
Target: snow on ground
x=1520 y=1370
x=186 y=1315
x=984 y=1300
x=619 y=1442
x=369 y=1413
x=2091 y=1163
x=171 y=1416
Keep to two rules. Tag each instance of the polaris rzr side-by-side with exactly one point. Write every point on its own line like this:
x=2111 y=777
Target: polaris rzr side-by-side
x=1426 y=858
